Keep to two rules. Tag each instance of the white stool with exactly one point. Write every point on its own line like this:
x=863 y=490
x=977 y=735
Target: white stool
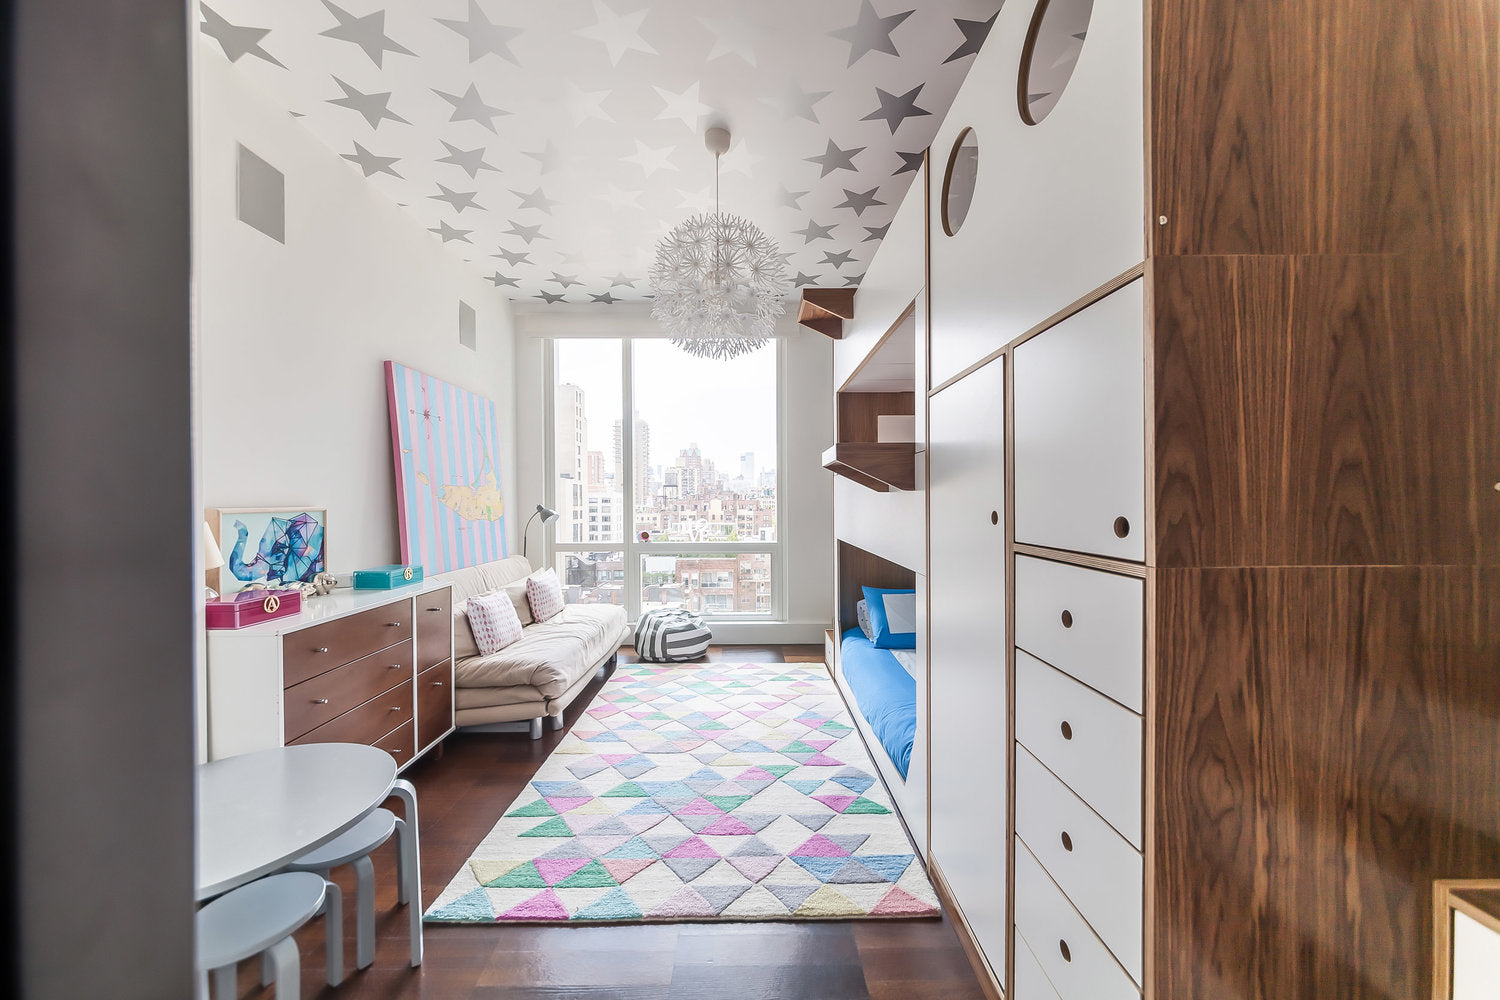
x=260 y=917
x=353 y=847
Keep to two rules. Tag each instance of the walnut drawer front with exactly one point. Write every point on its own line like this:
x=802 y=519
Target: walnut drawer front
x=434 y=627
x=434 y=703
x=398 y=743
x=369 y=722
x=330 y=694
x=308 y=652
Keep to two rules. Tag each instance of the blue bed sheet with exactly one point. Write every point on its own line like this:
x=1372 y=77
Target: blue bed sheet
x=885 y=694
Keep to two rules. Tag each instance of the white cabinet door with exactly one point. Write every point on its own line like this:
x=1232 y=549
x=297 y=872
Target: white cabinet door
x=1081 y=430
x=966 y=489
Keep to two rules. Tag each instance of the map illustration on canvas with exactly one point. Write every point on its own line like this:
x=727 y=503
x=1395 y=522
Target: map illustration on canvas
x=445 y=440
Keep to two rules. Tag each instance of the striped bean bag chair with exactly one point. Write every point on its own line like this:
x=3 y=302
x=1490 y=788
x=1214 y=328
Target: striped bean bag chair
x=668 y=635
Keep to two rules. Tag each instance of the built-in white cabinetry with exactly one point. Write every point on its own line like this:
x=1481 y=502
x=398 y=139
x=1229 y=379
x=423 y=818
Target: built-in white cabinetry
x=1079 y=430
x=1076 y=962
x=1058 y=208
x=967 y=663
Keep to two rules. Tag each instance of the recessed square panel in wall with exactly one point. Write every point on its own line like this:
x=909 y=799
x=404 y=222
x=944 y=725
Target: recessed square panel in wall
x=260 y=198
x=466 y=335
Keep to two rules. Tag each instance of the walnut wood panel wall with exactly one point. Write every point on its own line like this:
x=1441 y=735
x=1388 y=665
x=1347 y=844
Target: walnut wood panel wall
x=857 y=568
x=857 y=412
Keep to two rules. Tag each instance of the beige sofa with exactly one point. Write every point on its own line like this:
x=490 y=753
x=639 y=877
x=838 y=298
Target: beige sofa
x=538 y=675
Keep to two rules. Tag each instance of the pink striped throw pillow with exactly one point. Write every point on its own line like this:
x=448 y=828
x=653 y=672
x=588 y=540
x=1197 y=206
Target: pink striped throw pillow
x=544 y=594
x=493 y=620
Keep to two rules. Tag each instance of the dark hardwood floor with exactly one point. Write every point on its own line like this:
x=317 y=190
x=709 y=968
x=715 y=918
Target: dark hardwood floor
x=461 y=793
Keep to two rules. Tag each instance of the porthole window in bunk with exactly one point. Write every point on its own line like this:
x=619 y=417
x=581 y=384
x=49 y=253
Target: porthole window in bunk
x=959 y=181
x=1058 y=31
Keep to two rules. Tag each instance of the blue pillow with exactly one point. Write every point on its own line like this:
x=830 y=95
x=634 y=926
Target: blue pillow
x=893 y=617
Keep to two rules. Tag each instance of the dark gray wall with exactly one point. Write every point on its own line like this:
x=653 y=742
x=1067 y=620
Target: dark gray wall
x=102 y=553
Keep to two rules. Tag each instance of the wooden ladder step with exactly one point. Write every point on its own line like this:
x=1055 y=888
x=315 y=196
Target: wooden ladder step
x=825 y=309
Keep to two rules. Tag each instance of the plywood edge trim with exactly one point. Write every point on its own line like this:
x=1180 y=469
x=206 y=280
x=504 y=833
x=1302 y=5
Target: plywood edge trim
x=910 y=310
x=988 y=981
x=1102 y=563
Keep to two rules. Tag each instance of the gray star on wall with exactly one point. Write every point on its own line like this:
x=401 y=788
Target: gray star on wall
x=536 y=200
x=550 y=298
x=513 y=258
x=606 y=298
x=834 y=158
x=367 y=32
x=859 y=201
x=449 y=234
x=470 y=107
x=497 y=279
x=565 y=280
x=372 y=106
x=876 y=232
x=236 y=40
x=485 y=37
x=527 y=233
x=370 y=163
x=975 y=32
x=896 y=110
x=460 y=200
x=815 y=232
x=871 y=33
x=803 y=279
x=837 y=259
x=472 y=160
x=910 y=162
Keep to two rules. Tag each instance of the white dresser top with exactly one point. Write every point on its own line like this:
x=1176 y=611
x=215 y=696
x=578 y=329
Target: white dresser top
x=340 y=603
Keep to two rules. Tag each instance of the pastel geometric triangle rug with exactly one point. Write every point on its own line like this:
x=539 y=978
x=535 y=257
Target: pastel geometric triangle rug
x=698 y=792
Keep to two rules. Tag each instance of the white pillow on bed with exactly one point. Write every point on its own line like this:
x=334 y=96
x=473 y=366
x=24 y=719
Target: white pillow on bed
x=862 y=612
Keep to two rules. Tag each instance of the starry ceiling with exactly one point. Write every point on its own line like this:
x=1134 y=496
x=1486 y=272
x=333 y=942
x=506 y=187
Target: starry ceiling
x=553 y=143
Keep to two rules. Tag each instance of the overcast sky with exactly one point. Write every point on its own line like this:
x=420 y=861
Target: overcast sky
x=727 y=407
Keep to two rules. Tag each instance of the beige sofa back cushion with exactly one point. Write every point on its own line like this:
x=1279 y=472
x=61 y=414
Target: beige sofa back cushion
x=509 y=573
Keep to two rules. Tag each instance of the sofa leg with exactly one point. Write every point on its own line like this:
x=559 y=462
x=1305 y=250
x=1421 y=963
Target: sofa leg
x=536 y=728
x=557 y=721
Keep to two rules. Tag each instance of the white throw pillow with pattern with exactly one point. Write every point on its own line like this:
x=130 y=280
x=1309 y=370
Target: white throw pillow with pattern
x=493 y=620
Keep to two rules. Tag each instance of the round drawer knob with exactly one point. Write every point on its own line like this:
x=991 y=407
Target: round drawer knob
x=1067 y=954
x=1067 y=731
x=994 y=517
x=1122 y=527
x=320 y=701
x=1067 y=842
x=1067 y=618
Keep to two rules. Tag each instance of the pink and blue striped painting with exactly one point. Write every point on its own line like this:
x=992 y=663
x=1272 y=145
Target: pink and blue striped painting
x=446 y=446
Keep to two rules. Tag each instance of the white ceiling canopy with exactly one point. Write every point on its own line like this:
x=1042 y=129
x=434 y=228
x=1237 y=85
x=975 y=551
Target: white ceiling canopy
x=553 y=143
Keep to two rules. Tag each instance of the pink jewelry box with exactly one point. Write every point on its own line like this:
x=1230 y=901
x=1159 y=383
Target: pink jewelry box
x=249 y=607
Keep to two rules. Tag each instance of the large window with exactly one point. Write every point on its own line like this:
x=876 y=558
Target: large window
x=677 y=506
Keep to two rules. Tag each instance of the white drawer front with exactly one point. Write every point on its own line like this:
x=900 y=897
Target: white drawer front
x=1076 y=962
x=1086 y=622
x=1085 y=739
x=1080 y=431
x=1031 y=982
x=1100 y=872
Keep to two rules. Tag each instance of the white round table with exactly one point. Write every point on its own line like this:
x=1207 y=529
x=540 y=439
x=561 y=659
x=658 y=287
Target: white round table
x=258 y=811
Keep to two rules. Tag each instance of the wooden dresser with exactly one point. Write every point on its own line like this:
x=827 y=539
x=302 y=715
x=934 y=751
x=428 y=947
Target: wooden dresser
x=356 y=666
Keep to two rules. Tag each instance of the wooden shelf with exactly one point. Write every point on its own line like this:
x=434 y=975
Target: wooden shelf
x=825 y=309
x=881 y=467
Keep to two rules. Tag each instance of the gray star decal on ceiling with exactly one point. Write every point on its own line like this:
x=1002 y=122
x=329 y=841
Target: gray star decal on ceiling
x=367 y=32
x=621 y=279
x=871 y=32
x=910 y=162
x=470 y=107
x=513 y=258
x=618 y=34
x=566 y=280
x=896 y=110
x=859 y=201
x=497 y=279
x=975 y=32
x=374 y=107
x=876 y=232
x=799 y=103
x=549 y=297
x=370 y=163
x=536 y=199
x=485 y=37
x=471 y=160
x=236 y=40
x=815 y=232
x=853 y=279
x=606 y=298
x=527 y=233
x=837 y=259
x=833 y=158
x=789 y=199
x=803 y=279
x=459 y=200
x=548 y=159
x=449 y=234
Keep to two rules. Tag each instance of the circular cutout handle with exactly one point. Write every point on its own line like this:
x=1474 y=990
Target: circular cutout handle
x=1067 y=730
x=1067 y=954
x=994 y=517
x=1067 y=842
x=1122 y=527
x=1067 y=618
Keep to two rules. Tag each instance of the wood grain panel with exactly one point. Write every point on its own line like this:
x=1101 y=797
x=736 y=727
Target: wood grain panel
x=1328 y=743
x=434 y=628
x=310 y=651
x=1319 y=411
x=434 y=703
x=858 y=568
x=308 y=705
x=1323 y=126
x=858 y=412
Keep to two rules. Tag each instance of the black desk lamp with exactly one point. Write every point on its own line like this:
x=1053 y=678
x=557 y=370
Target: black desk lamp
x=548 y=514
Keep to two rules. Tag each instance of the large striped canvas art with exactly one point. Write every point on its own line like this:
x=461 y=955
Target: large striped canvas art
x=445 y=440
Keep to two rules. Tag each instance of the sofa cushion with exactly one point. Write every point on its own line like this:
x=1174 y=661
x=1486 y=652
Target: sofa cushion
x=544 y=594
x=550 y=656
x=485 y=578
x=493 y=620
x=517 y=593
x=463 y=636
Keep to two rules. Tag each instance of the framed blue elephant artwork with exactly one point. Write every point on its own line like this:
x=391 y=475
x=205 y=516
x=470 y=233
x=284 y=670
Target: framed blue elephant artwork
x=269 y=545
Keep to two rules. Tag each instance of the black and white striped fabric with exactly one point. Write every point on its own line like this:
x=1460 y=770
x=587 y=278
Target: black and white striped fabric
x=668 y=635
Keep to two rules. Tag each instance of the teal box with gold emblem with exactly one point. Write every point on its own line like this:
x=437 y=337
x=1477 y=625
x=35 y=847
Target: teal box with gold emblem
x=386 y=577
